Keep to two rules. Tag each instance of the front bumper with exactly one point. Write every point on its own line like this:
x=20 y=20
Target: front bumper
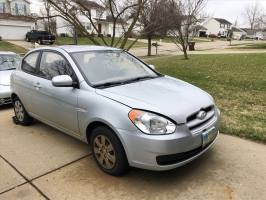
x=5 y=95
x=166 y=152
x=48 y=41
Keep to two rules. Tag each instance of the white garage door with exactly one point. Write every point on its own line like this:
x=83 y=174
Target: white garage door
x=14 y=32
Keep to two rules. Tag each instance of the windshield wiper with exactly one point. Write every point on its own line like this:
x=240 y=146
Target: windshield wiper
x=109 y=84
x=140 y=78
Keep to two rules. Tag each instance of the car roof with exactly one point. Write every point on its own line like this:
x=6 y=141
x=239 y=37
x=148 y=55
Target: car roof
x=78 y=48
x=7 y=53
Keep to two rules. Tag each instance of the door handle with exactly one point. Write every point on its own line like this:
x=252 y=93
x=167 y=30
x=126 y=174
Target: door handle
x=37 y=85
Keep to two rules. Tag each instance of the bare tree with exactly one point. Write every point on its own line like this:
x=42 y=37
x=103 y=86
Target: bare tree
x=154 y=20
x=184 y=15
x=70 y=10
x=252 y=12
x=47 y=16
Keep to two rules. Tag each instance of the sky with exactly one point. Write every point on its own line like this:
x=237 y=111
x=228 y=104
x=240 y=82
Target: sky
x=231 y=10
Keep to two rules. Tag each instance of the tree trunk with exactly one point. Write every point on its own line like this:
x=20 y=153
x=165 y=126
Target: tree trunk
x=75 y=37
x=149 y=46
x=185 y=52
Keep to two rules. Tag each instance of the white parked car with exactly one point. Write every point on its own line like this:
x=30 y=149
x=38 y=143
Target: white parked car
x=8 y=63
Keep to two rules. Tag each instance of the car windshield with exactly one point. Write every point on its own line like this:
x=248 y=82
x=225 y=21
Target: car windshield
x=9 y=62
x=106 y=68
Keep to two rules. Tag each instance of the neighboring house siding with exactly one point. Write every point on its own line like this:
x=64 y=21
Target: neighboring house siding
x=215 y=27
x=14 y=19
x=63 y=27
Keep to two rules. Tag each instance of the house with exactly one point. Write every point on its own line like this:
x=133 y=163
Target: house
x=101 y=20
x=15 y=19
x=217 y=26
x=238 y=33
x=255 y=34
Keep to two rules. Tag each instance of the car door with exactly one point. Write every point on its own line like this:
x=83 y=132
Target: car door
x=25 y=80
x=57 y=105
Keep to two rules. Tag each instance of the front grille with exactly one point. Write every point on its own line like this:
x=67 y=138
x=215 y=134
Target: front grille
x=4 y=101
x=194 y=124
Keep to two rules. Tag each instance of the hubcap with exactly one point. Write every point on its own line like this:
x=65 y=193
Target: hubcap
x=104 y=152
x=19 y=111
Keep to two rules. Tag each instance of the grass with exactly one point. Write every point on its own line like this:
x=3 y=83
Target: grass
x=237 y=82
x=6 y=46
x=86 y=41
x=251 y=46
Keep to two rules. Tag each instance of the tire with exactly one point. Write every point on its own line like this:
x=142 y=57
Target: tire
x=27 y=39
x=108 y=151
x=51 y=43
x=40 y=41
x=21 y=113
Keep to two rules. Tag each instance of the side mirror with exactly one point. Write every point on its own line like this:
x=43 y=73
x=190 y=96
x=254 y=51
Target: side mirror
x=152 y=67
x=62 y=81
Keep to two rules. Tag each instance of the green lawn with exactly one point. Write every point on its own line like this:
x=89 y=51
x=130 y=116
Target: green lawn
x=251 y=46
x=237 y=82
x=6 y=46
x=86 y=41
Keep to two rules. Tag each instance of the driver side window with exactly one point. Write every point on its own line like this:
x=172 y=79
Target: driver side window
x=53 y=64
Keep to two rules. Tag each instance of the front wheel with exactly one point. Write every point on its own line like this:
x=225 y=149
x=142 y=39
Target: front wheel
x=108 y=151
x=21 y=114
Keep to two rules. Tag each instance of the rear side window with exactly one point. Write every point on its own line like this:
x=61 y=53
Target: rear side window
x=30 y=63
x=53 y=64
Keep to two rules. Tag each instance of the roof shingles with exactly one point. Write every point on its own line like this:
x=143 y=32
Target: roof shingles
x=223 y=21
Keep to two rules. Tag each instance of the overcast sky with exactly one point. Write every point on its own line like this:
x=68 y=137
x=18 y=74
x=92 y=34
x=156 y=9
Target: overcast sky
x=231 y=10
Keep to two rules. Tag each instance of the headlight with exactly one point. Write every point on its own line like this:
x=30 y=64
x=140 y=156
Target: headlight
x=151 y=123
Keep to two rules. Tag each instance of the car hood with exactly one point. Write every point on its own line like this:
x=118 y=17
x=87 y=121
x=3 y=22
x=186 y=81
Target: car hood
x=170 y=97
x=5 y=77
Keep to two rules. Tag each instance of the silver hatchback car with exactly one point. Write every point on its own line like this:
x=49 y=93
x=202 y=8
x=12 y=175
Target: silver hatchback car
x=130 y=114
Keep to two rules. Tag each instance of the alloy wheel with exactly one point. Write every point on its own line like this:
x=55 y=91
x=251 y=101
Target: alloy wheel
x=104 y=152
x=19 y=111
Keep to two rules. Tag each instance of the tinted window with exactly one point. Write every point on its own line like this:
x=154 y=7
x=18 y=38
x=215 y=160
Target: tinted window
x=53 y=64
x=30 y=62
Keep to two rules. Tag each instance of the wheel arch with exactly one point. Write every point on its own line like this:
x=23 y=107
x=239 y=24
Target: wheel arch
x=98 y=123
x=13 y=96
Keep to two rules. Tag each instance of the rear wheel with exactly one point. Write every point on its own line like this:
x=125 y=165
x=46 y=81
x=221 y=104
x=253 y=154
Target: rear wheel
x=21 y=114
x=108 y=151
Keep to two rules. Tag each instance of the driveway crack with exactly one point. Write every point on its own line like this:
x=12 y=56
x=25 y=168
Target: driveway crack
x=30 y=181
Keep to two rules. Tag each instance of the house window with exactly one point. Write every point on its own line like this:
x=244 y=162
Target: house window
x=2 y=7
x=98 y=14
x=20 y=9
x=222 y=25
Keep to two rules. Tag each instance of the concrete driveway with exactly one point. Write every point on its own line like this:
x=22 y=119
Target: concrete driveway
x=38 y=162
